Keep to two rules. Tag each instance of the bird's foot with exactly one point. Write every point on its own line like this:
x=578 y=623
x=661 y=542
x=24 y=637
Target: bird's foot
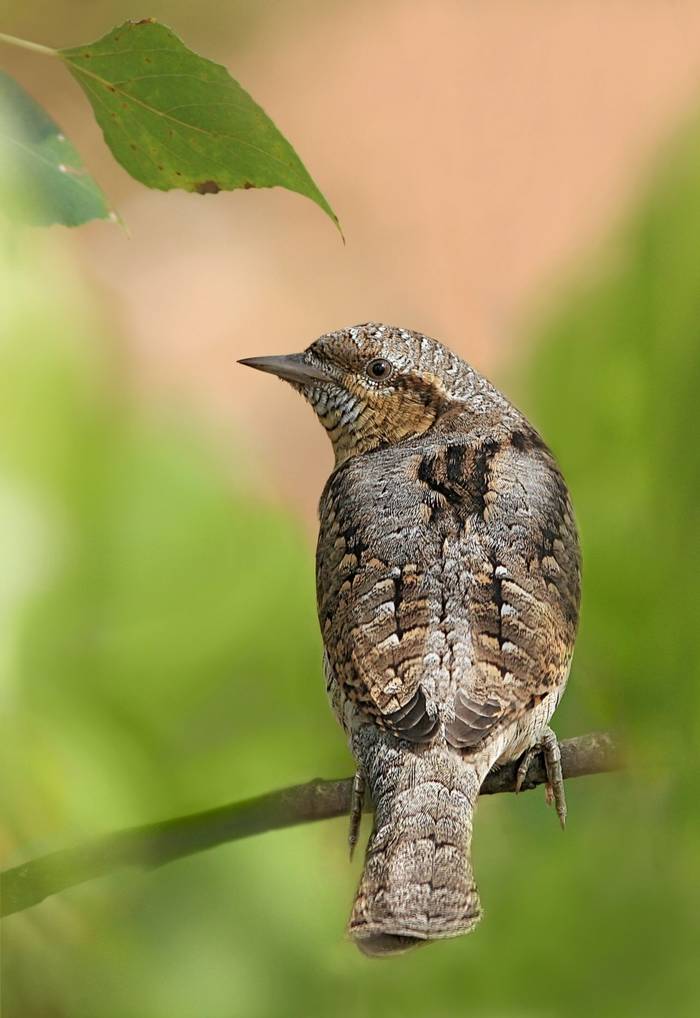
x=524 y=766
x=554 y=789
x=357 y=797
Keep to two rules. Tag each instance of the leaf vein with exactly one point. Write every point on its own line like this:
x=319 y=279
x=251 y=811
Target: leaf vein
x=193 y=127
x=117 y=123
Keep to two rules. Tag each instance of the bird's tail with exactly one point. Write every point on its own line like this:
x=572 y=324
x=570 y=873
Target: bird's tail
x=417 y=883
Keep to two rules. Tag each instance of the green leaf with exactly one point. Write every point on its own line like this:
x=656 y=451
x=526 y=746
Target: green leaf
x=53 y=185
x=176 y=120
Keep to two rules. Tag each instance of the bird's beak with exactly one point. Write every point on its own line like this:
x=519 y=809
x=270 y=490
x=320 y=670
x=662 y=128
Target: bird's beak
x=292 y=367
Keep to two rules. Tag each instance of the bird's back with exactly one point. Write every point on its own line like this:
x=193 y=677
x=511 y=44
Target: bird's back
x=448 y=581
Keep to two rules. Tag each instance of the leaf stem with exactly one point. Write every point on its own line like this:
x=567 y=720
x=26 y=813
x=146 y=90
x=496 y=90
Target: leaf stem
x=35 y=47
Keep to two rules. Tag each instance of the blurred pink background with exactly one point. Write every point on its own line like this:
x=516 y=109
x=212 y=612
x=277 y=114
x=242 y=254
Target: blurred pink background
x=473 y=152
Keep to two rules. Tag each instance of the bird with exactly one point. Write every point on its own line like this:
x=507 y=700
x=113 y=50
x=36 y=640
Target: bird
x=448 y=586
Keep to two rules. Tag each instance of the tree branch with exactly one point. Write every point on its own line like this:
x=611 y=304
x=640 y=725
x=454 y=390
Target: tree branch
x=160 y=843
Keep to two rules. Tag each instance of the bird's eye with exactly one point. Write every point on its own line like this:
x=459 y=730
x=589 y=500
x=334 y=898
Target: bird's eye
x=379 y=369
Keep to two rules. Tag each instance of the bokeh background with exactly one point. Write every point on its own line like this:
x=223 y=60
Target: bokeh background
x=520 y=179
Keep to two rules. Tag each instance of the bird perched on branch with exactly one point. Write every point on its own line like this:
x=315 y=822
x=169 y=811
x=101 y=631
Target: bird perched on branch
x=448 y=576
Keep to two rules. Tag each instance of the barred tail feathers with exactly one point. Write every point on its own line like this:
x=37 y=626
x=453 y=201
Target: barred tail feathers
x=417 y=883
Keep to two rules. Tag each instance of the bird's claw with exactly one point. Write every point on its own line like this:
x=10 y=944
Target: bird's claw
x=357 y=797
x=524 y=766
x=554 y=789
x=555 y=779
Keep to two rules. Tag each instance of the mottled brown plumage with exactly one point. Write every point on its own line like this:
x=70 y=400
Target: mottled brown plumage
x=448 y=594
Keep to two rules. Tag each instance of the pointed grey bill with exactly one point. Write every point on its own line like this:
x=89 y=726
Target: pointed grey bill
x=292 y=367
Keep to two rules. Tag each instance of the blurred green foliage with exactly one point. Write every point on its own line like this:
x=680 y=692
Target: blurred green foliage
x=56 y=186
x=159 y=654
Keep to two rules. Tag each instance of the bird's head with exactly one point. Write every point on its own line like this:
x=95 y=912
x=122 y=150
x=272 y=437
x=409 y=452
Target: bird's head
x=374 y=385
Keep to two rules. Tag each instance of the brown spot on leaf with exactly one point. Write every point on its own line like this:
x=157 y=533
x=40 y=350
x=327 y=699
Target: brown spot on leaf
x=207 y=187
x=247 y=184
x=144 y=21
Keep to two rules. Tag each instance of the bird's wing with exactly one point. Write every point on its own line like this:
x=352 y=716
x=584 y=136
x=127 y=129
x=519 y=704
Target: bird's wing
x=374 y=609
x=508 y=520
x=448 y=585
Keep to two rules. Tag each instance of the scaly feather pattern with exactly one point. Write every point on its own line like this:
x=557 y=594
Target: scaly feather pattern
x=448 y=577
